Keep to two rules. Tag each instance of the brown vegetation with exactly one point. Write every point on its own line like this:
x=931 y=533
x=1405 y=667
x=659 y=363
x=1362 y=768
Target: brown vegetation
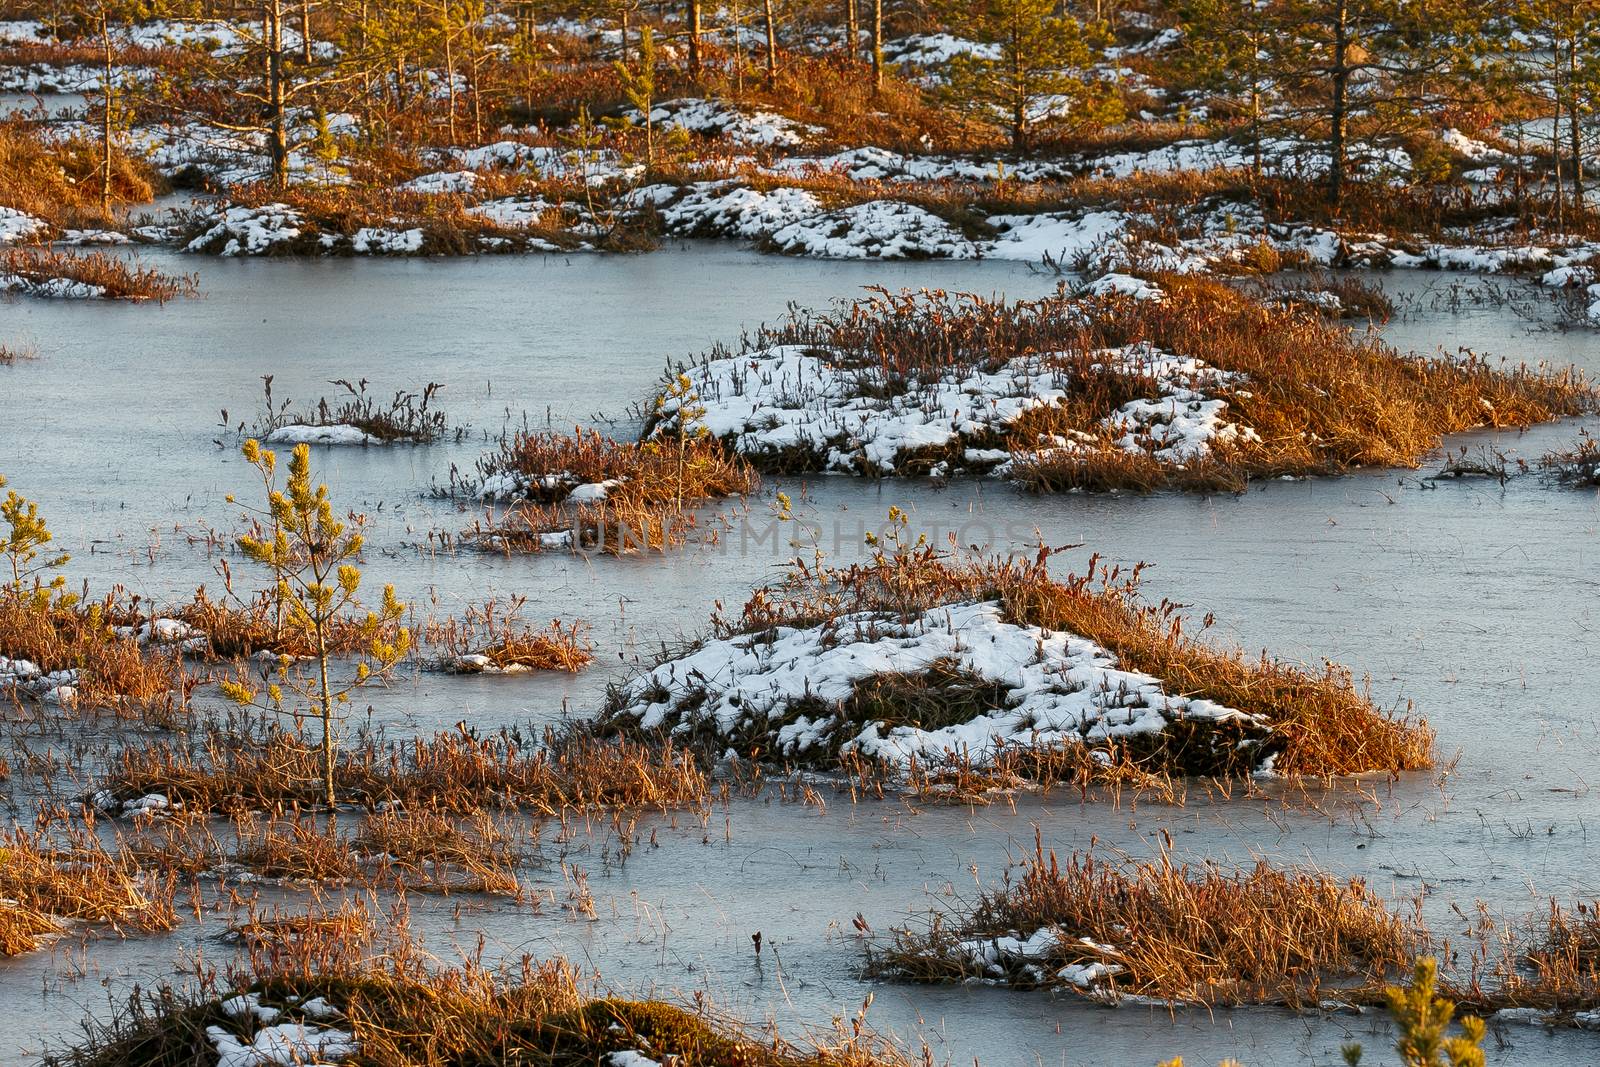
x=451 y=772
x=1191 y=934
x=407 y=416
x=40 y=269
x=1578 y=467
x=493 y=637
x=385 y=994
x=1321 y=724
x=58 y=179
x=1310 y=397
x=651 y=490
x=50 y=879
x=65 y=633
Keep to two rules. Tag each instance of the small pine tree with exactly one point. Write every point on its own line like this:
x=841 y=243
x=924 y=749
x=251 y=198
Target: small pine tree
x=1423 y=1019
x=681 y=404
x=26 y=535
x=323 y=145
x=1037 y=57
x=309 y=554
x=639 y=86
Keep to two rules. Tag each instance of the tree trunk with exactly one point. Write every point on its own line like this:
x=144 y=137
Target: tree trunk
x=624 y=34
x=1555 y=136
x=477 y=101
x=278 y=133
x=1255 y=111
x=528 y=24
x=305 y=30
x=1517 y=175
x=1339 y=117
x=772 y=46
x=107 y=100
x=696 y=63
x=1575 y=133
x=852 y=29
x=327 y=721
x=450 y=71
x=1019 y=94
x=877 y=45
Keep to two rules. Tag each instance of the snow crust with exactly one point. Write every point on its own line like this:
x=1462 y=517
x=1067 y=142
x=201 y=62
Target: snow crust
x=716 y=118
x=19 y=226
x=302 y=433
x=1060 y=688
x=274 y=1043
x=53 y=687
x=775 y=400
x=249 y=231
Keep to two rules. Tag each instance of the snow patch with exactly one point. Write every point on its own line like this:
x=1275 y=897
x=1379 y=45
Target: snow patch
x=1060 y=689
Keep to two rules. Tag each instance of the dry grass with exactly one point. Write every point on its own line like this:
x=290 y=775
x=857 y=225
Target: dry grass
x=657 y=484
x=1324 y=399
x=424 y=851
x=48 y=880
x=1322 y=723
x=113 y=672
x=389 y=998
x=39 y=269
x=1319 y=398
x=493 y=637
x=1202 y=933
x=10 y=354
x=1178 y=932
x=452 y=772
x=1577 y=467
x=407 y=416
x=238 y=628
x=1554 y=966
x=58 y=180
x=1342 y=296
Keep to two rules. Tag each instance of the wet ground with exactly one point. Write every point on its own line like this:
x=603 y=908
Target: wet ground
x=1473 y=599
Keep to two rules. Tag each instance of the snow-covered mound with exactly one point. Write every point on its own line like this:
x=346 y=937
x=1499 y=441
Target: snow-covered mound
x=728 y=209
x=931 y=49
x=791 y=691
x=715 y=118
x=49 y=288
x=300 y=433
x=877 y=229
x=19 y=226
x=796 y=222
x=799 y=406
x=442 y=182
x=274 y=1038
x=249 y=231
x=58 y=687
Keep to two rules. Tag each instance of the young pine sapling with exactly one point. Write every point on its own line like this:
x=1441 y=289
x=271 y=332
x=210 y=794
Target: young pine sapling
x=310 y=556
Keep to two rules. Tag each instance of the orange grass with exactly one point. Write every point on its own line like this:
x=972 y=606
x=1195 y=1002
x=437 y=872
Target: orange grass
x=48 y=880
x=1199 y=933
x=492 y=635
x=389 y=997
x=114 y=672
x=1319 y=398
x=1323 y=724
x=451 y=772
x=117 y=278
x=650 y=507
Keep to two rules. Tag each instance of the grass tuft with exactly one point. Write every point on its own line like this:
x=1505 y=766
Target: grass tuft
x=1202 y=934
x=55 y=272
